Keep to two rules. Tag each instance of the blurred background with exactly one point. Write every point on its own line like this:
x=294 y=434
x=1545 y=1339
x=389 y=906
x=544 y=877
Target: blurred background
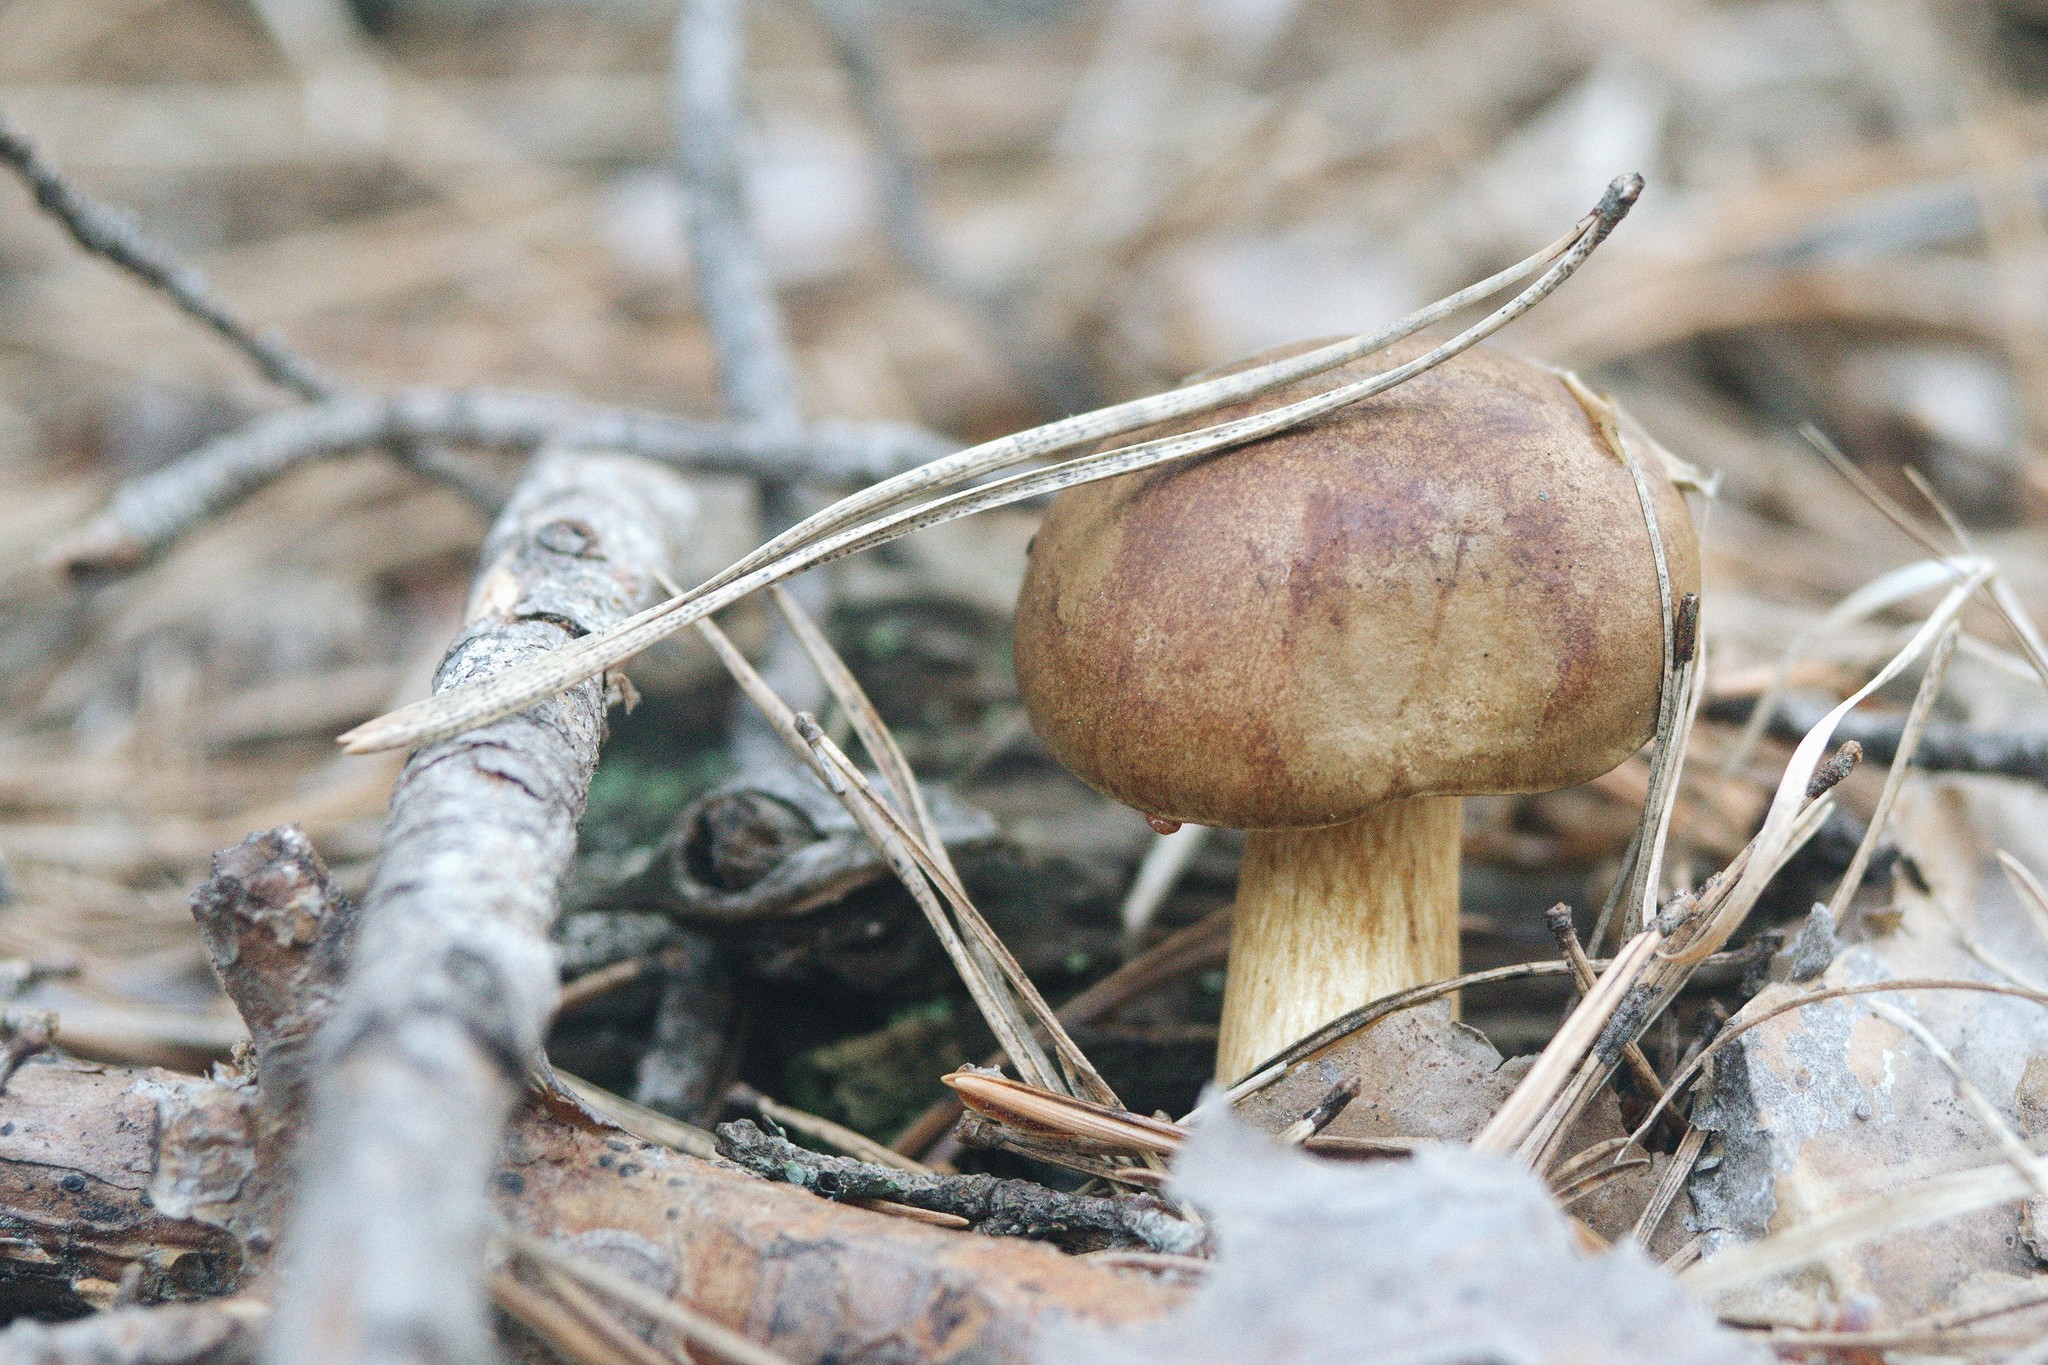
x=978 y=215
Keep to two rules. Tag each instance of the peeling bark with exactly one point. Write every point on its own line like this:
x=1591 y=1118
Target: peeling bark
x=453 y=976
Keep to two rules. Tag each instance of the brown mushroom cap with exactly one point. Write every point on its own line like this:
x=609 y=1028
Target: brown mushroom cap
x=1444 y=590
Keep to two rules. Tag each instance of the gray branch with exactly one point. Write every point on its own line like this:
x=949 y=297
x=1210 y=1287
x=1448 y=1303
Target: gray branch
x=1052 y=371
x=151 y=513
x=454 y=976
x=997 y=1207
x=688 y=1061
x=113 y=236
x=757 y=374
x=219 y=1332
x=1945 y=747
x=755 y=371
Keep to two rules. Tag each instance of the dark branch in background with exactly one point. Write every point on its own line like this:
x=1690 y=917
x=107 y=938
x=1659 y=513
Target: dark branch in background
x=113 y=236
x=153 y=512
x=756 y=372
x=899 y=184
x=1052 y=371
x=453 y=974
x=691 y=1053
x=1945 y=747
x=998 y=1207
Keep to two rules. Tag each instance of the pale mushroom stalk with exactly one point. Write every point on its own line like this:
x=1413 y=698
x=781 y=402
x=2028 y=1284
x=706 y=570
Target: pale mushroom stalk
x=1311 y=938
x=1329 y=637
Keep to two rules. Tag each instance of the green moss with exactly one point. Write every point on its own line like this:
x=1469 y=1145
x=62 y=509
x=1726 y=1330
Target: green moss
x=878 y=1082
x=633 y=799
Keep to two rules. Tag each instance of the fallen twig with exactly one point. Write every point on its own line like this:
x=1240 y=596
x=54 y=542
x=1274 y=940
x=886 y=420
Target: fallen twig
x=756 y=370
x=147 y=516
x=1944 y=747
x=997 y=1207
x=113 y=236
x=453 y=976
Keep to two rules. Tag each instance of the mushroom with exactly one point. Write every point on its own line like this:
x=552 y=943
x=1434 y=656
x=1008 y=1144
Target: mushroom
x=1329 y=637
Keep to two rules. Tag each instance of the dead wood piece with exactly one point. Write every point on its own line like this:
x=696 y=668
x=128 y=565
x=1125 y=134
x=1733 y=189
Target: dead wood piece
x=772 y=845
x=218 y=1332
x=150 y=514
x=102 y=1164
x=689 y=1058
x=278 y=931
x=22 y=1036
x=453 y=973
x=108 y=1173
x=141 y=1181
x=995 y=1206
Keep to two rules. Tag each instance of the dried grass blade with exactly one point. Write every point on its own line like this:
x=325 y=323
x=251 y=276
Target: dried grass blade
x=869 y=812
x=2002 y=597
x=1081 y=1073
x=1973 y=1098
x=1539 y=1112
x=1651 y=994
x=1674 y=687
x=1895 y=777
x=460 y=708
x=1675 y=1176
x=1880 y=594
x=1899 y=1210
x=1041 y=1113
x=1526 y=1104
x=2031 y=893
x=1786 y=805
x=649 y=1125
x=694 y=1326
x=866 y=721
x=1189 y=400
x=592 y=1311
x=566 y=1333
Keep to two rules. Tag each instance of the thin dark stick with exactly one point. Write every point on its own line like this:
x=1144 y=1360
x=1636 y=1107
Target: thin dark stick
x=996 y=1207
x=113 y=236
x=1944 y=746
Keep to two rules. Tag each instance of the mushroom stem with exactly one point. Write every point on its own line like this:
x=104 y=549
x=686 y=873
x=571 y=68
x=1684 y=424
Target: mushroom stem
x=1328 y=919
